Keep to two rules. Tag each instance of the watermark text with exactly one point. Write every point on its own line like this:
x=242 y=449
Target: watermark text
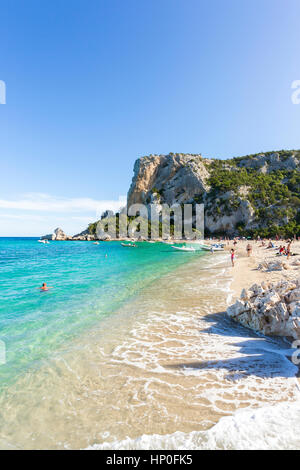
x=296 y=93
x=2 y=92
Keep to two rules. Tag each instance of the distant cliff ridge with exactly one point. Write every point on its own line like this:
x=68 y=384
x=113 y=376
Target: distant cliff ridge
x=254 y=194
x=249 y=196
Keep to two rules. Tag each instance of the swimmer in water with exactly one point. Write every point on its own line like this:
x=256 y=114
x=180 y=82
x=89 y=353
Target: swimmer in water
x=44 y=287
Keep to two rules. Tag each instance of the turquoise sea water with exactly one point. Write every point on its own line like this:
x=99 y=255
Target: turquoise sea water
x=87 y=286
x=133 y=351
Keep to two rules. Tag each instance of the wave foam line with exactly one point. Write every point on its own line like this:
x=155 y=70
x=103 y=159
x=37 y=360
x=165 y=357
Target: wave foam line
x=270 y=427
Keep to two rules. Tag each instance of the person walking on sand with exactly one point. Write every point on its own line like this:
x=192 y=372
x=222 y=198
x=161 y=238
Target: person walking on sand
x=232 y=255
x=249 y=250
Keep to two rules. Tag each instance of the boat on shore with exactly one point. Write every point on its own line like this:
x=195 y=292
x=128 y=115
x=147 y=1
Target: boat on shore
x=215 y=247
x=184 y=248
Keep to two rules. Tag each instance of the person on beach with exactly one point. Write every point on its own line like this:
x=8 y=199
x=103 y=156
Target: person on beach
x=288 y=249
x=232 y=255
x=249 y=250
x=44 y=287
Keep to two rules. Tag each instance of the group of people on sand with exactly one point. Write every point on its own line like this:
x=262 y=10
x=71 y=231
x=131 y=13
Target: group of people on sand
x=282 y=250
x=264 y=243
x=285 y=251
x=232 y=253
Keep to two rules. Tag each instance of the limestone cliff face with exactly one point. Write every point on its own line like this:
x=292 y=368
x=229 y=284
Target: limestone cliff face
x=176 y=178
x=226 y=223
x=251 y=195
x=247 y=188
x=266 y=163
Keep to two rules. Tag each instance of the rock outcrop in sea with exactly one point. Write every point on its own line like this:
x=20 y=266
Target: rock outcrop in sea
x=58 y=234
x=272 y=309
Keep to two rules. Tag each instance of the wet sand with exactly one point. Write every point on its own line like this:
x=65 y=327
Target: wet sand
x=168 y=362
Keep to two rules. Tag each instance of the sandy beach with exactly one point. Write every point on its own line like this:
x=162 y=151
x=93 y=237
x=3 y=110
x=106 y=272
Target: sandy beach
x=245 y=273
x=166 y=368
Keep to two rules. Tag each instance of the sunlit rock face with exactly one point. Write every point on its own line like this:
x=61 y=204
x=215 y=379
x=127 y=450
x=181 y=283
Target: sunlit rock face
x=175 y=178
x=186 y=178
x=270 y=309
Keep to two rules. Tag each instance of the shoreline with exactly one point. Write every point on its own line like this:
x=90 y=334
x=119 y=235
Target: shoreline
x=170 y=351
x=245 y=273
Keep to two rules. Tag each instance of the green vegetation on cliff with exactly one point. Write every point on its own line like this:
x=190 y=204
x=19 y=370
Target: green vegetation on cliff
x=274 y=195
x=253 y=195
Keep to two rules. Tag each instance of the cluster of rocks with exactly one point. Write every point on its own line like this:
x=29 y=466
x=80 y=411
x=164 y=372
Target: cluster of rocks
x=270 y=309
x=266 y=163
x=86 y=237
x=60 y=235
x=277 y=265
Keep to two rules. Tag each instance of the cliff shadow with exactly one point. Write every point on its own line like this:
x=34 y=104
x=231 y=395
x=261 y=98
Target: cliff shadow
x=255 y=355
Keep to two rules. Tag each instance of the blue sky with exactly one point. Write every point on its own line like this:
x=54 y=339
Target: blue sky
x=93 y=85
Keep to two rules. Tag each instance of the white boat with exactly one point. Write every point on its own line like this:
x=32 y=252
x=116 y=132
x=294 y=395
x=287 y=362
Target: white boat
x=43 y=241
x=128 y=245
x=204 y=247
x=183 y=248
x=211 y=247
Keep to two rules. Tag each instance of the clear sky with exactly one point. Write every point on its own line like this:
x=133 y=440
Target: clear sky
x=94 y=84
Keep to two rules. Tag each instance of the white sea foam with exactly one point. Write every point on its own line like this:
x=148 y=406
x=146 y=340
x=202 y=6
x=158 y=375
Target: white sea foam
x=168 y=369
x=230 y=368
x=269 y=427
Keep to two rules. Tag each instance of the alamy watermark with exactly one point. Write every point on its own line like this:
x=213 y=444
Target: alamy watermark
x=296 y=93
x=154 y=221
x=2 y=92
x=296 y=353
x=2 y=353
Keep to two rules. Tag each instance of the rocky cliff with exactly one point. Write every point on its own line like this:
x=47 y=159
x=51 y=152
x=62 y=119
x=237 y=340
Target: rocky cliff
x=176 y=178
x=255 y=194
x=251 y=195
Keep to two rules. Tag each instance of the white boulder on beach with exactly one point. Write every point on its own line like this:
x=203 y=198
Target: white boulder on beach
x=270 y=309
